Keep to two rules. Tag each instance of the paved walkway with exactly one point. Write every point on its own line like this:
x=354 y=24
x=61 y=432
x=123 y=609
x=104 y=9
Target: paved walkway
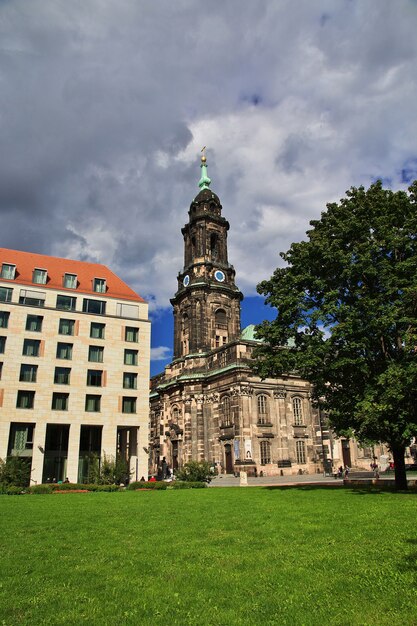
x=228 y=480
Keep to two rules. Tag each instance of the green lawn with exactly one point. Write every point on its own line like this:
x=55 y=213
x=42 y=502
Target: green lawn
x=252 y=557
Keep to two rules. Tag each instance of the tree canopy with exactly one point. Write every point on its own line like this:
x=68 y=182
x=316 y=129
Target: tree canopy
x=347 y=310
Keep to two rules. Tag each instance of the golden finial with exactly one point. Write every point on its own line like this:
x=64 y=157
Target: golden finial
x=203 y=158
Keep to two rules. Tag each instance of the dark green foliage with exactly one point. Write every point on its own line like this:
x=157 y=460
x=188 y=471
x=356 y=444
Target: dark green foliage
x=77 y=486
x=114 y=471
x=11 y=490
x=147 y=485
x=177 y=484
x=15 y=471
x=40 y=489
x=347 y=311
x=195 y=471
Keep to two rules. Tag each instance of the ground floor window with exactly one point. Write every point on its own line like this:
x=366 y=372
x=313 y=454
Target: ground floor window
x=265 y=452
x=300 y=448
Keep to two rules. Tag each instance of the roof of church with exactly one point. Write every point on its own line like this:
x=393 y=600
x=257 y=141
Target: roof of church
x=248 y=334
x=56 y=267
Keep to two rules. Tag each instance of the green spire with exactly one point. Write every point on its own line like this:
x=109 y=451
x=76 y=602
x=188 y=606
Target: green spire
x=204 y=181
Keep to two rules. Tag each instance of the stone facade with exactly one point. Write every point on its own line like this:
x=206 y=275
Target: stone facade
x=74 y=366
x=208 y=404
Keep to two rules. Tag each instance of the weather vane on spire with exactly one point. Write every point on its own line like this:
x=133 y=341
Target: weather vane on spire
x=204 y=182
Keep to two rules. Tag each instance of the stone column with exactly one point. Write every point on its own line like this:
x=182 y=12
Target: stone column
x=108 y=441
x=133 y=452
x=39 y=436
x=73 y=453
x=4 y=438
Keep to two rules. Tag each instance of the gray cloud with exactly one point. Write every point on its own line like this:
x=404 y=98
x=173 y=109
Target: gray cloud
x=105 y=106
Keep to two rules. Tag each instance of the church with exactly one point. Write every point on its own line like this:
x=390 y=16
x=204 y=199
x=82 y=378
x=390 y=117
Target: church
x=208 y=404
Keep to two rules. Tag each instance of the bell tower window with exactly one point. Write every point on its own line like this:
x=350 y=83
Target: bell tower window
x=214 y=246
x=220 y=322
x=185 y=333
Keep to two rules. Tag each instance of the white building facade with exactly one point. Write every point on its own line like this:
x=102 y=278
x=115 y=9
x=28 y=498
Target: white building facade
x=74 y=366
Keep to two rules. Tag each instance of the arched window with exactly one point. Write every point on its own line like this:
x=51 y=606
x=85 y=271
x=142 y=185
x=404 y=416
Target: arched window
x=300 y=449
x=265 y=452
x=226 y=411
x=297 y=408
x=175 y=413
x=214 y=245
x=220 y=318
x=262 y=409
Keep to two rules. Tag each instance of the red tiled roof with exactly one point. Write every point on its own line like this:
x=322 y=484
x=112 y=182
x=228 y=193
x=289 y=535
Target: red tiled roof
x=26 y=262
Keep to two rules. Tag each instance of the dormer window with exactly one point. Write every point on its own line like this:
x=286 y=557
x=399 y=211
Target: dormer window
x=70 y=281
x=99 y=285
x=8 y=271
x=39 y=276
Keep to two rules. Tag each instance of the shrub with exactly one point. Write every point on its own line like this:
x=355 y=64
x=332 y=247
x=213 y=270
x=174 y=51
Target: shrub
x=40 y=489
x=15 y=471
x=179 y=484
x=195 y=471
x=114 y=471
x=11 y=490
x=158 y=485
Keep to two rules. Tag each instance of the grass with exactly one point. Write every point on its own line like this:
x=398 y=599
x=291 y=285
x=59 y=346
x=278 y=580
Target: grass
x=254 y=556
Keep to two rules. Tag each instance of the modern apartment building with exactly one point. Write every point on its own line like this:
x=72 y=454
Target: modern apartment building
x=74 y=366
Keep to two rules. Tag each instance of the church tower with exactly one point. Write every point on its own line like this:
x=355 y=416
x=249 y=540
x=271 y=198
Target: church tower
x=207 y=302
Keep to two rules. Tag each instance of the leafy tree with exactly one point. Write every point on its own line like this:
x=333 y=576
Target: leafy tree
x=114 y=470
x=195 y=471
x=347 y=310
x=15 y=471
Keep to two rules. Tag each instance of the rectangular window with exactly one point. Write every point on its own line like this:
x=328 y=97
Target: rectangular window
x=131 y=357
x=4 y=319
x=97 y=330
x=39 y=276
x=300 y=448
x=94 y=378
x=98 y=307
x=8 y=271
x=34 y=323
x=66 y=327
x=128 y=405
x=2 y=344
x=130 y=380
x=25 y=399
x=99 y=285
x=92 y=403
x=28 y=373
x=131 y=334
x=32 y=298
x=5 y=294
x=70 y=281
x=95 y=354
x=64 y=351
x=1 y=369
x=31 y=347
x=60 y=401
x=66 y=303
x=127 y=310
x=62 y=375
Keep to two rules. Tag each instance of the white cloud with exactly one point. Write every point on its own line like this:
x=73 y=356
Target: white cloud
x=161 y=353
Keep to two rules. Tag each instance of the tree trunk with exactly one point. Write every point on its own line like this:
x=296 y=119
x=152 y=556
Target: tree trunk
x=398 y=451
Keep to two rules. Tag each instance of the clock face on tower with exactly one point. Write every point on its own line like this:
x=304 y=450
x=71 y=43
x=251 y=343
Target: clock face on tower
x=219 y=276
x=186 y=281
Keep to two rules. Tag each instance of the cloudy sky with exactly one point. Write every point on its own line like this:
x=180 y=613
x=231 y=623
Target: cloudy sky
x=104 y=107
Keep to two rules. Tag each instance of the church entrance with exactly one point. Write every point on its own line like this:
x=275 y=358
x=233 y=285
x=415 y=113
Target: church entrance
x=228 y=458
x=174 y=455
x=346 y=453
